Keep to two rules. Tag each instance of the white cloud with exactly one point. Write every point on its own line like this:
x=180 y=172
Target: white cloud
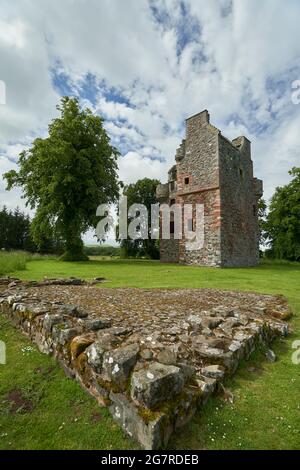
x=234 y=58
x=9 y=199
x=134 y=166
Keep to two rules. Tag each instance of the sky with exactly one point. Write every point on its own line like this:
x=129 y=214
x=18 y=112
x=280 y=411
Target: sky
x=147 y=65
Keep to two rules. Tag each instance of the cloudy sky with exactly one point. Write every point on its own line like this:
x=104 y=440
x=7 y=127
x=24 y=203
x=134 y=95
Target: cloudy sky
x=146 y=65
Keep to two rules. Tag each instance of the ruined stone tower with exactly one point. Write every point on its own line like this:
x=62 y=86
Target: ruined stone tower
x=218 y=173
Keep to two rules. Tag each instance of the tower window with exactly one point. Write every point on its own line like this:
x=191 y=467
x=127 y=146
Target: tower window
x=254 y=210
x=172 y=228
x=186 y=180
x=172 y=185
x=241 y=173
x=190 y=225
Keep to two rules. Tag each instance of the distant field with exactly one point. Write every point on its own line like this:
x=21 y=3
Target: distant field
x=266 y=410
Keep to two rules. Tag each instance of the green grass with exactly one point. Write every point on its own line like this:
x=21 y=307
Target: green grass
x=9 y=262
x=266 y=410
x=63 y=416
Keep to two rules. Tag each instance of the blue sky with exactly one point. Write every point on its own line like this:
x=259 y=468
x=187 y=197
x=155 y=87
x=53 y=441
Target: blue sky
x=145 y=66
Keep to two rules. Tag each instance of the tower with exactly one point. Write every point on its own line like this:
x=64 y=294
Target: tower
x=217 y=173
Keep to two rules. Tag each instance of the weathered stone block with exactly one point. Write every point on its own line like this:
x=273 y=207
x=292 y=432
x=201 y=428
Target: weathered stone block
x=50 y=320
x=74 y=311
x=207 y=385
x=95 y=354
x=156 y=384
x=95 y=324
x=80 y=343
x=186 y=407
x=213 y=371
x=118 y=364
x=108 y=339
x=167 y=356
x=152 y=432
x=62 y=336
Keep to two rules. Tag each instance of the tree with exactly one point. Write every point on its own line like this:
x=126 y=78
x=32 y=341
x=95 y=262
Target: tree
x=15 y=230
x=283 y=221
x=66 y=176
x=141 y=192
x=15 y=234
x=4 y=218
x=262 y=220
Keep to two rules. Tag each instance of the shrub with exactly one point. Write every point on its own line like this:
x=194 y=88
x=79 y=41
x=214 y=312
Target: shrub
x=102 y=250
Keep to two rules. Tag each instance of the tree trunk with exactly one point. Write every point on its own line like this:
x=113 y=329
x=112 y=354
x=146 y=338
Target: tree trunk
x=74 y=248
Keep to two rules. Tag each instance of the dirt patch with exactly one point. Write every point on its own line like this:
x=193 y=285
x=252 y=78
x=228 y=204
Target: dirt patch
x=18 y=403
x=96 y=417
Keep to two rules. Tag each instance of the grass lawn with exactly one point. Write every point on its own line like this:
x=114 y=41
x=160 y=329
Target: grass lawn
x=57 y=414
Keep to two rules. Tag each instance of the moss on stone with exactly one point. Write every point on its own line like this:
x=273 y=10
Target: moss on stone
x=148 y=415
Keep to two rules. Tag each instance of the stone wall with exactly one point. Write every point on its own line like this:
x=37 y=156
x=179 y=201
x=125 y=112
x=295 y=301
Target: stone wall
x=200 y=164
x=152 y=375
x=239 y=228
x=210 y=254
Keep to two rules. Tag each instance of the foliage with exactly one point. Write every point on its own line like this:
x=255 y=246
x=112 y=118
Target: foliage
x=15 y=231
x=141 y=192
x=283 y=221
x=102 y=250
x=262 y=220
x=67 y=175
x=15 y=234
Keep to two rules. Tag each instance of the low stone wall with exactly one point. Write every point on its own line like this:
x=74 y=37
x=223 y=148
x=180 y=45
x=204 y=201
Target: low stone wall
x=151 y=384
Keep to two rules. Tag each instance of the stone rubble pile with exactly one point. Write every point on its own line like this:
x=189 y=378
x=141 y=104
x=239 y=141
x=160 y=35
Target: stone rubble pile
x=152 y=356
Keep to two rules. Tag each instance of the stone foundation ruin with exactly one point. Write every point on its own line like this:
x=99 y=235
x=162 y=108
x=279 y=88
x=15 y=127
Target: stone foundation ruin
x=152 y=356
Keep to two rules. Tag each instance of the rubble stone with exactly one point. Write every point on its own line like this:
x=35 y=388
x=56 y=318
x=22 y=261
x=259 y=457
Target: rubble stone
x=270 y=355
x=156 y=384
x=80 y=343
x=214 y=371
x=74 y=311
x=167 y=356
x=62 y=336
x=94 y=354
x=118 y=364
x=141 y=351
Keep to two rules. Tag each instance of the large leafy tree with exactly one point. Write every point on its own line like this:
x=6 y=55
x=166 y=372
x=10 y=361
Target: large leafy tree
x=141 y=192
x=283 y=222
x=67 y=175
